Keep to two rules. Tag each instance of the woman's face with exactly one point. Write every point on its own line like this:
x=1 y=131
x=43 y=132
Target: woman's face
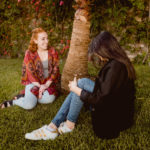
x=42 y=41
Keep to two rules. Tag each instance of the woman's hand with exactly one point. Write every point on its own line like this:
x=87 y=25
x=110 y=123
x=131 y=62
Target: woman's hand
x=42 y=88
x=72 y=84
x=74 y=88
x=48 y=83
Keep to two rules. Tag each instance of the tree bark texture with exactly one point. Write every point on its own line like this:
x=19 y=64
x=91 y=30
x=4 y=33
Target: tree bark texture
x=76 y=63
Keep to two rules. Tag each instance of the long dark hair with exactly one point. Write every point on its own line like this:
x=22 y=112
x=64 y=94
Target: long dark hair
x=107 y=46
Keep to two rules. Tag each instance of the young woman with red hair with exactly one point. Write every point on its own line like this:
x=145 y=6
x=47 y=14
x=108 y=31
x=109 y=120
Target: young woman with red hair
x=40 y=73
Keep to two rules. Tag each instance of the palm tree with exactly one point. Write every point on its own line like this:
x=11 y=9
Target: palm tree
x=76 y=63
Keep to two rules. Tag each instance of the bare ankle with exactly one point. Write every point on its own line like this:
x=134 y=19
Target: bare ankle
x=52 y=125
x=70 y=124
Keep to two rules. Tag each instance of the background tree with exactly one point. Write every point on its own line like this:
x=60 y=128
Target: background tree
x=127 y=20
x=76 y=63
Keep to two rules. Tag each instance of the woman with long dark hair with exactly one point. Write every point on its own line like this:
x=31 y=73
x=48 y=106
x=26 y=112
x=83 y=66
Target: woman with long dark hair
x=111 y=96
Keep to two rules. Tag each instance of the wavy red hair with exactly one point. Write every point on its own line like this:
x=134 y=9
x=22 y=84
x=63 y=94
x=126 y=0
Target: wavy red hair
x=32 y=45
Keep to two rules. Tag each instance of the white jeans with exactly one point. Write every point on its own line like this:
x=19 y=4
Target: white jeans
x=29 y=101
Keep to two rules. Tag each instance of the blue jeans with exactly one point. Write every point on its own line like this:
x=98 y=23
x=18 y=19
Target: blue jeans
x=29 y=101
x=72 y=105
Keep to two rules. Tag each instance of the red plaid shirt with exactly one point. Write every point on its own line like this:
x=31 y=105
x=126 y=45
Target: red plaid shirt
x=32 y=70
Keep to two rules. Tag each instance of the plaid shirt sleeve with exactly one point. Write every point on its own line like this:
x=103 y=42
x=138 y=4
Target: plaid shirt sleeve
x=29 y=74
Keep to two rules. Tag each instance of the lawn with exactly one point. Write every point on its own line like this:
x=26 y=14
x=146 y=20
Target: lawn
x=15 y=121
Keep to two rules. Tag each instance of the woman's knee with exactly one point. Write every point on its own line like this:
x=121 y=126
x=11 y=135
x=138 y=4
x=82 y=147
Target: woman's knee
x=81 y=82
x=28 y=87
x=46 y=99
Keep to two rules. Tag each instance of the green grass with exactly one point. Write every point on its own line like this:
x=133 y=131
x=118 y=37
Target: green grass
x=15 y=121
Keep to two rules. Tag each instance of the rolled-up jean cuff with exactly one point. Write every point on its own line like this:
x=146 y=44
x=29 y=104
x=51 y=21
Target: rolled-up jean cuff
x=71 y=120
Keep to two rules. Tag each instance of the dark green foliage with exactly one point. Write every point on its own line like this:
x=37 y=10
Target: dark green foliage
x=15 y=121
x=18 y=19
x=126 y=19
x=120 y=18
x=139 y=58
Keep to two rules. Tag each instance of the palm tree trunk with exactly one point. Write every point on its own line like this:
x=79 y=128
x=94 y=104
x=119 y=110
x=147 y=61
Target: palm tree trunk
x=76 y=63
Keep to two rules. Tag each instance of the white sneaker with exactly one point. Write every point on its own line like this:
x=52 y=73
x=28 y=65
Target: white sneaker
x=43 y=133
x=64 y=129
